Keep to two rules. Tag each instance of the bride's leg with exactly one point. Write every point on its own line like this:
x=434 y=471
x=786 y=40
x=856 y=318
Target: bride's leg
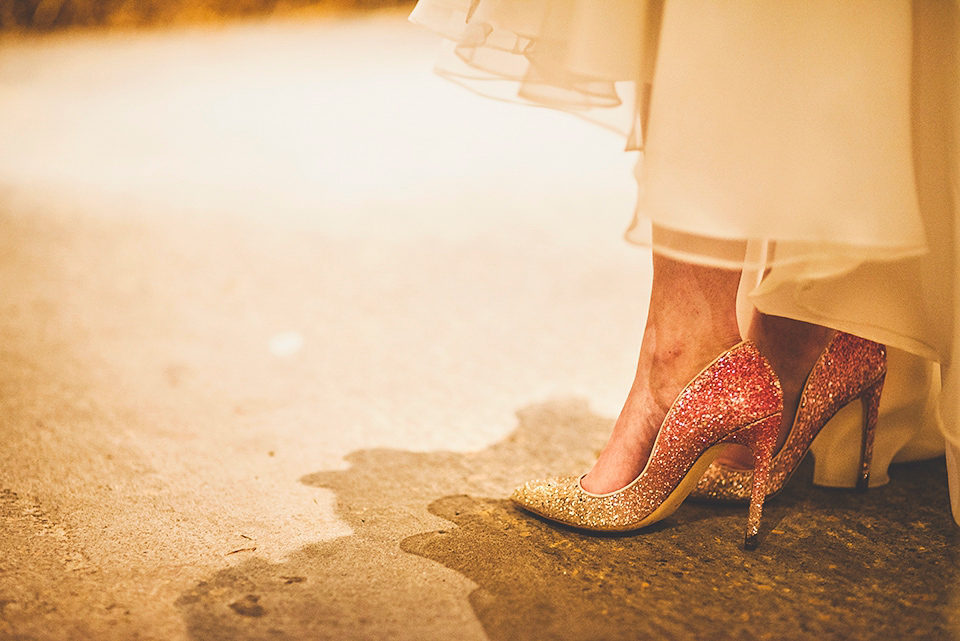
x=692 y=320
x=792 y=347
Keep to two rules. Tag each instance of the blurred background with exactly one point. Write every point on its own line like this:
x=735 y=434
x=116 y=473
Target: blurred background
x=47 y=15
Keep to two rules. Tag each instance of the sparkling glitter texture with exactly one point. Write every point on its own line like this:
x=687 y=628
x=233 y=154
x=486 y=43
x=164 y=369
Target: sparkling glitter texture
x=736 y=399
x=848 y=369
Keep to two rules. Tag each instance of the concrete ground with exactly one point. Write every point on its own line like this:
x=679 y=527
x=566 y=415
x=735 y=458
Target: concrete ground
x=284 y=319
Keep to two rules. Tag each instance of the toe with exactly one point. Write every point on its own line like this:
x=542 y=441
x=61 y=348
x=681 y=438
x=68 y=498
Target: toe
x=547 y=497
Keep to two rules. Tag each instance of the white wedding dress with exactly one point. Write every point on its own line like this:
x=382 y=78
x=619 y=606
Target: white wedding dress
x=824 y=133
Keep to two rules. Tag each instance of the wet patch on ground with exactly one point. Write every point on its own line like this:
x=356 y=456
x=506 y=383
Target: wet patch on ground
x=832 y=565
x=437 y=548
x=364 y=586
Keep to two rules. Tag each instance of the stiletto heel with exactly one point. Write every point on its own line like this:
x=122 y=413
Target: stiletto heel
x=850 y=368
x=735 y=399
x=871 y=409
x=761 y=438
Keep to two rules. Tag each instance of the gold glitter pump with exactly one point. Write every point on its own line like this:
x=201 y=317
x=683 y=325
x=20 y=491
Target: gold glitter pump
x=736 y=399
x=850 y=368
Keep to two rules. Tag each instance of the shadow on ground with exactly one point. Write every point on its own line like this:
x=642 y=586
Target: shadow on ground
x=831 y=565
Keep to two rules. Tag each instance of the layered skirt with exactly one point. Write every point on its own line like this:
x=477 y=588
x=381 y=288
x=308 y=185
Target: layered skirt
x=811 y=143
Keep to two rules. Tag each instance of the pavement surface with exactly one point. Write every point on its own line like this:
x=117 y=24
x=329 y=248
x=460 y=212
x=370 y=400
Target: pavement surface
x=285 y=318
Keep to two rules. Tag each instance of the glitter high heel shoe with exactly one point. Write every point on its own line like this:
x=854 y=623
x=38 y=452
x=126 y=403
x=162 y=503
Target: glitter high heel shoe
x=735 y=399
x=849 y=368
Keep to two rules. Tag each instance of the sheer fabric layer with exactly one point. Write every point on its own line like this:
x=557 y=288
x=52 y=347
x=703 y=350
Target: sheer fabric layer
x=823 y=133
x=594 y=59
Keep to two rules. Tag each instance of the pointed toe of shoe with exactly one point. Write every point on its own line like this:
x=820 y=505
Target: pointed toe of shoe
x=550 y=498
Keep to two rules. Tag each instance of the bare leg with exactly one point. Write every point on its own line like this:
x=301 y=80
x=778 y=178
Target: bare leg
x=792 y=347
x=692 y=320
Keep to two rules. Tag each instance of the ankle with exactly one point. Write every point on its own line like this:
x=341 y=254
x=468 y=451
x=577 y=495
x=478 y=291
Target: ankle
x=791 y=346
x=689 y=352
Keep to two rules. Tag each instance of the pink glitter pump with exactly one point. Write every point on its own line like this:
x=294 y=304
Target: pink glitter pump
x=736 y=399
x=850 y=368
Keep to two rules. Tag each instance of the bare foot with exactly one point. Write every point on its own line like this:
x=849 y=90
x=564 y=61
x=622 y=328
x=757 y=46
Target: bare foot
x=792 y=347
x=692 y=320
